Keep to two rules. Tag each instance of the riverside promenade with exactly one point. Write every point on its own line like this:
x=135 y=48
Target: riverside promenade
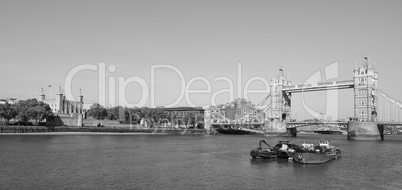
x=4 y=130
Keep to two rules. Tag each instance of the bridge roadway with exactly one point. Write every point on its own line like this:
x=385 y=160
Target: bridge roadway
x=389 y=123
x=306 y=123
x=293 y=125
x=319 y=86
x=341 y=123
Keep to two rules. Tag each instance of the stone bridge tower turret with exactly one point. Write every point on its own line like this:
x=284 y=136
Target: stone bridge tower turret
x=280 y=103
x=365 y=92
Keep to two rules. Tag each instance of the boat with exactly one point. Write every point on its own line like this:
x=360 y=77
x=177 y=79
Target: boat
x=310 y=154
x=259 y=152
x=284 y=149
x=234 y=131
x=230 y=129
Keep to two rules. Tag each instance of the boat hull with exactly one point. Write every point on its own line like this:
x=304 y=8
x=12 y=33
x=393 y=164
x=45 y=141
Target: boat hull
x=263 y=154
x=284 y=154
x=278 y=151
x=315 y=158
x=234 y=132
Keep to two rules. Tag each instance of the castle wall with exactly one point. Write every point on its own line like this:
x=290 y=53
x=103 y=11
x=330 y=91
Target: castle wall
x=63 y=107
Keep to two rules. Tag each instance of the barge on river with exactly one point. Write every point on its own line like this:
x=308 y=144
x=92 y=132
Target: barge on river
x=284 y=149
x=310 y=154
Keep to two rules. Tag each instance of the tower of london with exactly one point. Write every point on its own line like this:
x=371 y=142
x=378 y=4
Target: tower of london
x=61 y=106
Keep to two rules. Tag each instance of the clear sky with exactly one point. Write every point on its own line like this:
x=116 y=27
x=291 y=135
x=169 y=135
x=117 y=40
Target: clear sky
x=42 y=41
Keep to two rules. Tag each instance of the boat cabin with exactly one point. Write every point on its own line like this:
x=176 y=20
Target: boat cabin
x=307 y=146
x=284 y=145
x=324 y=144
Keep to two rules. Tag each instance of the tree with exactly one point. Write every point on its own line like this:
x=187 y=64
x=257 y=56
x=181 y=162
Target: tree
x=97 y=111
x=157 y=116
x=31 y=109
x=189 y=119
x=113 y=113
x=2 y=111
x=42 y=111
x=7 y=112
x=22 y=111
x=173 y=120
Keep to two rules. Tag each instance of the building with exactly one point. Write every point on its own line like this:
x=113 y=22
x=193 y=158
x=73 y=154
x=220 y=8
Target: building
x=182 y=112
x=62 y=107
x=8 y=101
x=239 y=109
x=365 y=100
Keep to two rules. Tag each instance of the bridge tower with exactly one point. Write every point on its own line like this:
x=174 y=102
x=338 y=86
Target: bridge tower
x=365 y=126
x=280 y=104
x=365 y=92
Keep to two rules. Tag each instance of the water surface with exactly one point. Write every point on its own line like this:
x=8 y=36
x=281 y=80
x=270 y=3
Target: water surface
x=189 y=162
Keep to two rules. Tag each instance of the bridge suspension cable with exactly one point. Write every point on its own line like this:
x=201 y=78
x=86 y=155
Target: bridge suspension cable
x=252 y=115
x=390 y=99
x=258 y=106
x=267 y=108
x=390 y=103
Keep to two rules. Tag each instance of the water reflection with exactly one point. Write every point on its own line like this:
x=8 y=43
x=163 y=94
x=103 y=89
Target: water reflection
x=259 y=161
x=280 y=162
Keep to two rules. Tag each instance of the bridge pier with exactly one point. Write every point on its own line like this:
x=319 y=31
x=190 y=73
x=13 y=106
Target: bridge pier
x=276 y=128
x=292 y=132
x=358 y=130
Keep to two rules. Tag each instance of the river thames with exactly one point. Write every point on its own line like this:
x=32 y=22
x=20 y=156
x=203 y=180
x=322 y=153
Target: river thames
x=190 y=162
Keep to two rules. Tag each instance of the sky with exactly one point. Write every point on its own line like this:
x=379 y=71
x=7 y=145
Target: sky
x=171 y=45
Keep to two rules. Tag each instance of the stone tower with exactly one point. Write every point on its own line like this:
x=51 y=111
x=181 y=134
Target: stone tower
x=81 y=103
x=42 y=96
x=59 y=101
x=365 y=92
x=280 y=103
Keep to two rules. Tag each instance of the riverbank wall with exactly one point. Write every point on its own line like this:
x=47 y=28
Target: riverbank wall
x=46 y=129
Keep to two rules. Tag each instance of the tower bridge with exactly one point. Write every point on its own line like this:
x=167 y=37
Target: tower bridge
x=365 y=124
x=371 y=107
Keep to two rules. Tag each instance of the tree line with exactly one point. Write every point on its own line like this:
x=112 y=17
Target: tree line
x=25 y=111
x=153 y=116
